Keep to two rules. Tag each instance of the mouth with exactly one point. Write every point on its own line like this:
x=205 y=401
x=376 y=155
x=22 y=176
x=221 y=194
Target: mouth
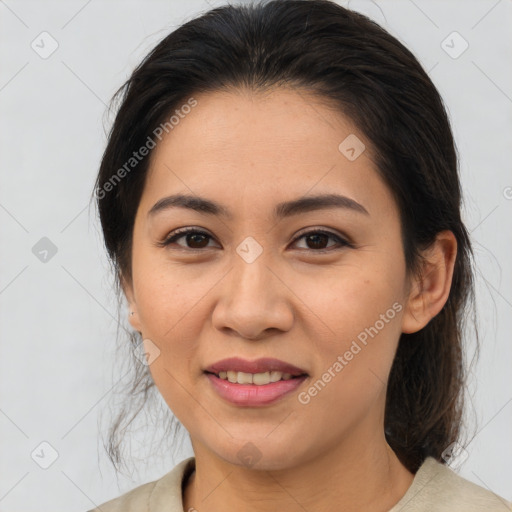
x=259 y=372
x=256 y=379
x=254 y=383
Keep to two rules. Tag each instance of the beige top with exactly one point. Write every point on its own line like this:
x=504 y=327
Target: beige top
x=435 y=488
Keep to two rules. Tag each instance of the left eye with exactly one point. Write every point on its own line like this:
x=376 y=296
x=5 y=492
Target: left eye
x=198 y=238
x=318 y=238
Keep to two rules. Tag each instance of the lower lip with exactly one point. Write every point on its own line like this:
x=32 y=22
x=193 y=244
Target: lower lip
x=251 y=394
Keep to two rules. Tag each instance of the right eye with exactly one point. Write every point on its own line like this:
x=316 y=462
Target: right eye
x=195 y=239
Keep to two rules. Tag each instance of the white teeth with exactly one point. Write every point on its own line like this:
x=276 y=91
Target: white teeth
x=259 y=379
x=275 y=376
x=244 y=378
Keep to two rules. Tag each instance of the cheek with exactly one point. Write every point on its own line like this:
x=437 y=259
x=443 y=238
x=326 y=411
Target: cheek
x=165 y=308
x=358 y=329
x=353 y=364
x=165 y=295
x=353 y=298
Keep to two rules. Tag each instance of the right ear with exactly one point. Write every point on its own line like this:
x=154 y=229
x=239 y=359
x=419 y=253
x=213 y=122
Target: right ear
x=133 y=316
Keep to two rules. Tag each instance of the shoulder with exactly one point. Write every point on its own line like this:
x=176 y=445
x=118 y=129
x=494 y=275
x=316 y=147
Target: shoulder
x=132 y=501
x=437 y=488
x=160 y=495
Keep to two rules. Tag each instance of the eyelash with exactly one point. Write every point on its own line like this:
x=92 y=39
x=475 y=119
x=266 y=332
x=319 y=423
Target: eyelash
x=180 y=233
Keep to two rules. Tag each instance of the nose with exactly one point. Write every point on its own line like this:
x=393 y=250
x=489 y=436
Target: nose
x=253 y=300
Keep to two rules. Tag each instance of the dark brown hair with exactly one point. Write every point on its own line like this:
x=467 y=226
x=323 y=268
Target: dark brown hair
x=351 y=63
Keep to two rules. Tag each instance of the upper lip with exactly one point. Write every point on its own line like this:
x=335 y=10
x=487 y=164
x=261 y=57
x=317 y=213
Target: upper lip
x=262 y=365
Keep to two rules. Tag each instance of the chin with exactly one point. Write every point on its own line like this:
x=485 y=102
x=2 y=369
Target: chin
x=258 y=452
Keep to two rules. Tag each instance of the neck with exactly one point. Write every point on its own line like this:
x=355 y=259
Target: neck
x=370 y=479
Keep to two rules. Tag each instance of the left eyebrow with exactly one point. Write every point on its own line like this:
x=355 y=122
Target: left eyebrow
x=282 y=210
x=319 y=202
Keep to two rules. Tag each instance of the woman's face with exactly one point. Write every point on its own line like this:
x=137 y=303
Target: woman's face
x=260 y=281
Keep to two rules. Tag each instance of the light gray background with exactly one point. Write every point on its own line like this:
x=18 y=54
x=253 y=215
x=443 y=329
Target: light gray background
x=57 y=319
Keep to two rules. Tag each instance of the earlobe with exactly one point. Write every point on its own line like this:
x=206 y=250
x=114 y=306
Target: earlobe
x=431 y=288
x=134 y=320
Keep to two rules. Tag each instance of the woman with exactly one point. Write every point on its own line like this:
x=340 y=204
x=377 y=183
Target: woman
x=280 y=199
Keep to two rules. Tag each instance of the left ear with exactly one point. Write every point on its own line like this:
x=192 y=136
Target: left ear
x=431 y=287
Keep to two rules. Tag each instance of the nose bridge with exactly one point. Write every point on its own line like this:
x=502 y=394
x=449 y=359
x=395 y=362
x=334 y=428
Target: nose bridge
x=251 y=279
x=253 y=300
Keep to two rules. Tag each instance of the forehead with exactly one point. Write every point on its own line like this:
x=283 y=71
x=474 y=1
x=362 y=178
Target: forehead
x=280 y=143
x=272 y=124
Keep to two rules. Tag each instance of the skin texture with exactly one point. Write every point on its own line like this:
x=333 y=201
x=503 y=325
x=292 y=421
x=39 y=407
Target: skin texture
x=202 y=302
